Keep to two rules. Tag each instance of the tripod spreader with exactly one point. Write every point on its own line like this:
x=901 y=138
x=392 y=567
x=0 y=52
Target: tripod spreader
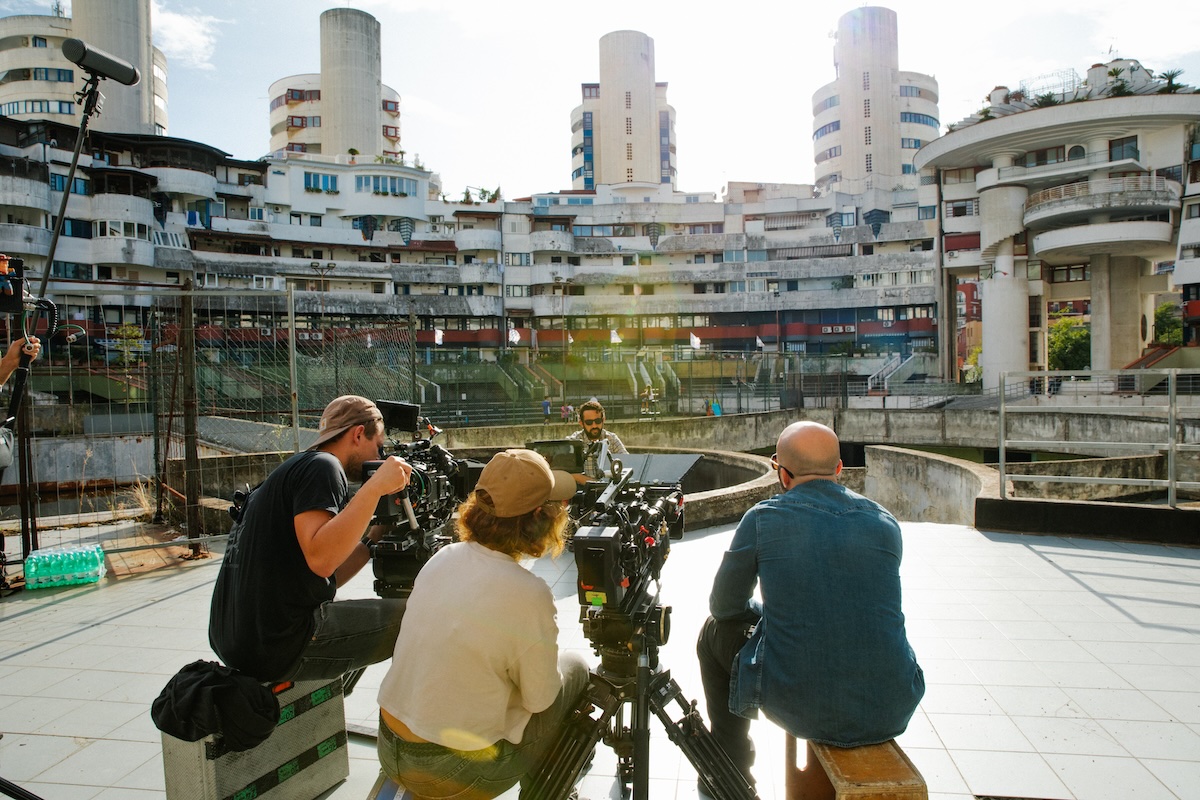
x=593 y=719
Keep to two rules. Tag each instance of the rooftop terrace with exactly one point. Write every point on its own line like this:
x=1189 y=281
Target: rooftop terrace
x=1056 y=668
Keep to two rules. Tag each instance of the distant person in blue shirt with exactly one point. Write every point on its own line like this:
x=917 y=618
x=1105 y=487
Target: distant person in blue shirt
x=824 y=654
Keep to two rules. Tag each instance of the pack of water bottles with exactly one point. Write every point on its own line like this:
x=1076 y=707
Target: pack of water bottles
x=65 y=565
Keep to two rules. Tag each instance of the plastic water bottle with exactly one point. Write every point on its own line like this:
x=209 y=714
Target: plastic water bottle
x=32 y=572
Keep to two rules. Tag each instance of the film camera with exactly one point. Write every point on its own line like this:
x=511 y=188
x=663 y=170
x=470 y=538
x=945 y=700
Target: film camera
x=419 y=517
x=626 y=516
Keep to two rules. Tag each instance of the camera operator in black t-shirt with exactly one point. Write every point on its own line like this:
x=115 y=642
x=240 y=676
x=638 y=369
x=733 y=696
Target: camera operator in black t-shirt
x=300 y=535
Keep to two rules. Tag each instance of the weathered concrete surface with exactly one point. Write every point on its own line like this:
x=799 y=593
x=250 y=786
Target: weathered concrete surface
x=1133 y=467
x=81 y=459
x=924 y=487
x=939 y=428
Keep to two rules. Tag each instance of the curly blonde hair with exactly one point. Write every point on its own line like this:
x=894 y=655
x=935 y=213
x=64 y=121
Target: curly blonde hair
x=541 y=531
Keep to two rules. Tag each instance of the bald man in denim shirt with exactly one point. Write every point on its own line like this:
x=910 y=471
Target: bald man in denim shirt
x=824 y=654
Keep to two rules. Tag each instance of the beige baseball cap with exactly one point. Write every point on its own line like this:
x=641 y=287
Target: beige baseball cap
x=518 y=481
x=342 y=414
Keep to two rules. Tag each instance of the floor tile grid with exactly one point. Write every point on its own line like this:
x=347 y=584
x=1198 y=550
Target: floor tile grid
x=1040 y=714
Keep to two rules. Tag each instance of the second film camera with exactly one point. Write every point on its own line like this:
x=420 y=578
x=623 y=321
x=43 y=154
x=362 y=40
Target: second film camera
x=419 y=518
x=626 y=516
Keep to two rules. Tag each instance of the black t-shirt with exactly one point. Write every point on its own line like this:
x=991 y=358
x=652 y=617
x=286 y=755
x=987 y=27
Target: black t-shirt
x=265 y=595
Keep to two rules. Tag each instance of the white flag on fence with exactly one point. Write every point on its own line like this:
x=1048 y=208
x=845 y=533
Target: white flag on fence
x=438 y=335
x=695 y=341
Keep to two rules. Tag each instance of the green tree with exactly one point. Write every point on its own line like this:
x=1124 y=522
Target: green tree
x=1069 y=344
x=1168 y=328
x=972 y=372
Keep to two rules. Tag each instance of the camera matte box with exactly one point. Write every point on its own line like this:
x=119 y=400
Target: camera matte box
x=304 y=756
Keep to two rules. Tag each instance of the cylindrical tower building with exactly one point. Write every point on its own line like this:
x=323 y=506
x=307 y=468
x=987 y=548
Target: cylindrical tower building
x=871 y=120
x=122 y=28
x=625 y=131
x=351 y=83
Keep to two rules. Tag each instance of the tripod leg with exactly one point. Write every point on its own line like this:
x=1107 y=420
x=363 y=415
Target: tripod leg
x=568 y=756
x=689 y=733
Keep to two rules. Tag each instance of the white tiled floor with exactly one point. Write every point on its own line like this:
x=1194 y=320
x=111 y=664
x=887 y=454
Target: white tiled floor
x=1056 y=669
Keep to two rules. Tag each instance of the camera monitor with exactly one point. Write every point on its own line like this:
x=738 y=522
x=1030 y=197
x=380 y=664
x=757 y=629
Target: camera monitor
x=564 y=454
x=398 y=416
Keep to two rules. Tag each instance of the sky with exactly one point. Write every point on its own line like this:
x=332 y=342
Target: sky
x=487 y=86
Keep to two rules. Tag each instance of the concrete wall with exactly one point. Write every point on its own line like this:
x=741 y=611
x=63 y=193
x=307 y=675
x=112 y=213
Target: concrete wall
x=80 y=459
x=923 y=487
x=1136 y=467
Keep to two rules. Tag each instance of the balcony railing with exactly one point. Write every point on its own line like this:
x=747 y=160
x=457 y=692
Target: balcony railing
x=1092 y=160
x=1137 y=183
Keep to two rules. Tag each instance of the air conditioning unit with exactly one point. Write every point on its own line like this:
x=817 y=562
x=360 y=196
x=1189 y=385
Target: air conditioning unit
x=850 y=329
x=837 y=328
x=888 y=324
x=826 y=329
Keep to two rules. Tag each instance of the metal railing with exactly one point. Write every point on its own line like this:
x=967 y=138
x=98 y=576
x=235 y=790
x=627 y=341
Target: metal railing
x=1137 y=183
x=1081 y=392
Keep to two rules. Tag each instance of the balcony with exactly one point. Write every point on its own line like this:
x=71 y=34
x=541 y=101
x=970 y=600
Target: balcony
x=1081 y=242
x=24 y=240
x=551 y=241
x=124 y=207
x=477 y=239
x=28 y=193
x=1191 y=310
x=1144 y=193
x=1043 y=173
x=114 y=250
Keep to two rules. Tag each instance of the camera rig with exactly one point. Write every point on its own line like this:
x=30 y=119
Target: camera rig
x=625 y=524
x=418 y=518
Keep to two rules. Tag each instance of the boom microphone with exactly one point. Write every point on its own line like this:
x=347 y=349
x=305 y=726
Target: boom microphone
x=100 y=63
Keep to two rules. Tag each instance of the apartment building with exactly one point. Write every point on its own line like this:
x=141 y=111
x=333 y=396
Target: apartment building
x=624 y=130
x=1074 y=195
x=871 y=120
x=38 y=83
x=345 y=109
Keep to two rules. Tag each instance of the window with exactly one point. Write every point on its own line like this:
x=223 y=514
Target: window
x=629 y=151
x=1123 y=148
x=256 y=213
x=910 y=91
x=53 y=75
x=910 y=144
x=629 y=126
x=907 y=169
x=591 y=90
x=629 y=99
x=68 y=269
x=962 y=208
x=832 y=152
x=517 y=259
x=629 y=175
x=391 y=106
x=314 y=220
x=825 y=130
x=1192 y=211
x=918 y=119
x=866 y=109
x=699 y=257
x=38 y=41
x=59 y=182
x=320 y=182
x=827 y=103
x=1050 y=155
x=77 y=228
x=867 y=135
x=1070 y=274
x=1075 y=153
x=868 y=163
x=866 y=81
x=391 y=132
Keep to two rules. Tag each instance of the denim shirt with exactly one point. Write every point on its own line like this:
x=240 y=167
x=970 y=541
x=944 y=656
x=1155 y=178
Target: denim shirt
x=829 y=660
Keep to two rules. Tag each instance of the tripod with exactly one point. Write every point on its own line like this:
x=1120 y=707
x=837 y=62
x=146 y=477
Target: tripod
x=630 y=674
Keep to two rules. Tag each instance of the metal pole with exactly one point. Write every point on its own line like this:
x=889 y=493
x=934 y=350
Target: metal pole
x=191 y=453
x=1172 y=435
x=295 y=387
x=412 y=353
x=1002 y=433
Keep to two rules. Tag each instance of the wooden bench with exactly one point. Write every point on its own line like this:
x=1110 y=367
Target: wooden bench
x=877 y=771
